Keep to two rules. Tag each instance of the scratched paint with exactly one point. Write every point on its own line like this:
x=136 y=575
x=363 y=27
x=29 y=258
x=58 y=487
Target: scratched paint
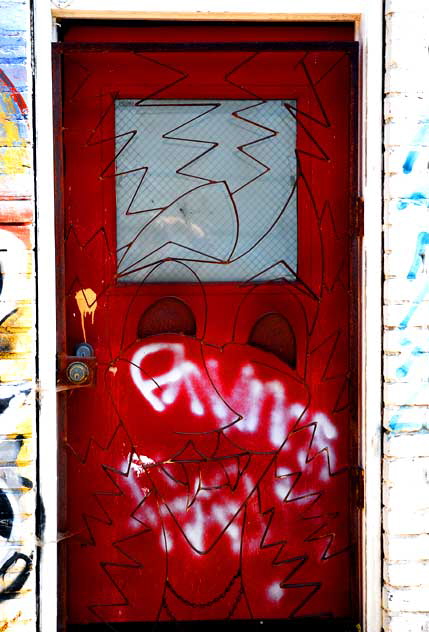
x=87 y=304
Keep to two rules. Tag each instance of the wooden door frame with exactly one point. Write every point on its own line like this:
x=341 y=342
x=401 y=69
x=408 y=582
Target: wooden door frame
x=368 y=22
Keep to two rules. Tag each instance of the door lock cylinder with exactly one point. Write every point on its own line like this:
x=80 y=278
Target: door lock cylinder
x=77 y=372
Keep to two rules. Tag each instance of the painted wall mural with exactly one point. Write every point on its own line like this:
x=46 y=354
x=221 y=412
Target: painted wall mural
x=15 y=397
x=17 y=364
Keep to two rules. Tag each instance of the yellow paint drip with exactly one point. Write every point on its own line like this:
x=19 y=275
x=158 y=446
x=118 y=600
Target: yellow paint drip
x=87 y=304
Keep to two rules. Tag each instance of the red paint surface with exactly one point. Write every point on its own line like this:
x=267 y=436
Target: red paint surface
x=206 y=478
x=203 y=31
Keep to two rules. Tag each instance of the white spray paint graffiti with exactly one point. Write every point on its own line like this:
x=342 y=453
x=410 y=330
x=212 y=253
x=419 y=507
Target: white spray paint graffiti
x=197 y=516
x=201 y=508
x=186 y=376
x=179 y=375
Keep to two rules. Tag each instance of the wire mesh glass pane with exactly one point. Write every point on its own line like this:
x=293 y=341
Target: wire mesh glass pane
x=209 y=183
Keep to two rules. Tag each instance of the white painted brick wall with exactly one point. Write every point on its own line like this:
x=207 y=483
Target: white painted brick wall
x=406 y=319
x=411 y=623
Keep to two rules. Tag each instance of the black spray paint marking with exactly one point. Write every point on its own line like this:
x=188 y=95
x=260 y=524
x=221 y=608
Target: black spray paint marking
x=15 y=565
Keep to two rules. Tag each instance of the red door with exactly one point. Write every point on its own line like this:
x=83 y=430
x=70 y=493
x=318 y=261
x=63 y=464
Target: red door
x=207 y=246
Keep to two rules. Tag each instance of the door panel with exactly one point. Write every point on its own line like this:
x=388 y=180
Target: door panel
x=208 y=467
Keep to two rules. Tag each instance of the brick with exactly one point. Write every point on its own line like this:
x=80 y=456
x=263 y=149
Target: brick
x=402 y=341
x=406 y=418
x=20 y=185
x=24 y=232
x=402 y=208
x=404 y=227
x=410 y=366
x=20 y=342
x=401 y=574
x=409 y=522
x=406 y=599
x=406 y=547
x=397 y=78
x=17 y=370
x=400 y=184
x=403 y=290
x=398 y=5
x=395 y=157
x=16 y=211
x=400 y=393
x=407 y=445
x=408 y=477
x=399 y=261
x=399 y=133
x=409 y=622
x=406 y=470
x=408 y=27
x=404 y=108
x=397 y=314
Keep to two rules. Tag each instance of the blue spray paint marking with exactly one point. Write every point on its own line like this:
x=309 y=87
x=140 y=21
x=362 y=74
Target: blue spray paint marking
x=404 y=323
x=408 y=165
x=396 y=425
x=413 y=154
x=418 y=198
x=399 y=421
x=403 y=370
x=419 y=255
x=421 y=244
x=415 y=199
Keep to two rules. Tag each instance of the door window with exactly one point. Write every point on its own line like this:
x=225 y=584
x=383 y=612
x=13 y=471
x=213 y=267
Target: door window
x=211 y=182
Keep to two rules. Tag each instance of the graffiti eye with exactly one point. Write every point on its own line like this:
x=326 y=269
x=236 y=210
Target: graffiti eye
x=167 y=315
x=273 y=333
